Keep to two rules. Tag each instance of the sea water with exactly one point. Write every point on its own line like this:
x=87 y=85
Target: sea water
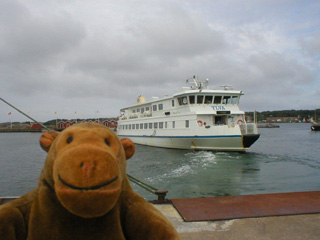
x=285 y=159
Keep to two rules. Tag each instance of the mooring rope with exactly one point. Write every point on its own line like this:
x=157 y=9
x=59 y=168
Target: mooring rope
x=142 y=184
x=25 y=114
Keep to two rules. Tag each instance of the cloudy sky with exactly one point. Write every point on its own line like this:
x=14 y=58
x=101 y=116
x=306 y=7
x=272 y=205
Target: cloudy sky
x=85 y=59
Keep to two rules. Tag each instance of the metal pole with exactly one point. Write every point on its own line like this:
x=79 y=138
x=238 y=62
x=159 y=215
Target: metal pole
x=25 y=114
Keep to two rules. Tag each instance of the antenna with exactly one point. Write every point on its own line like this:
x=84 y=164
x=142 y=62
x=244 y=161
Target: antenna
x=226 y=87
x=198 y=84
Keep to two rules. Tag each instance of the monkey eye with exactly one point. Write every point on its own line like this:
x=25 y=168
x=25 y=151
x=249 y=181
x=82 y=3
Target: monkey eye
x=69 y=139
x=107 y=142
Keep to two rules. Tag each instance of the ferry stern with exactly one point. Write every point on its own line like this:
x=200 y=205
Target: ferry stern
x=250 y=134
x=249 y=139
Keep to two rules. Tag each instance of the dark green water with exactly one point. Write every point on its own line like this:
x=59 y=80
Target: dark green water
x=286 y=159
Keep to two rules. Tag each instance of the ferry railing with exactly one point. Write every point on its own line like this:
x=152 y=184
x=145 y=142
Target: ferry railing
x=249 y=128
x=252 y=128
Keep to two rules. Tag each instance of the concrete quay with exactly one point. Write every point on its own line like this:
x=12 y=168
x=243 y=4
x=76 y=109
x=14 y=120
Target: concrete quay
x=292 y=227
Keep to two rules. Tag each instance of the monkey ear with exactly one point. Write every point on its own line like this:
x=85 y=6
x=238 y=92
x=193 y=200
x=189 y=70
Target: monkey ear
x=47 y=138
x=128 y=146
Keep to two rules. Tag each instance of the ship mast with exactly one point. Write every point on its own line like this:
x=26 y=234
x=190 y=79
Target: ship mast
x=198 y=84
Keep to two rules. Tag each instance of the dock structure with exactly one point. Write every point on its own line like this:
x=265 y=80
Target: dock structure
x=294 y=216
x=291 y=216
x=293 y=227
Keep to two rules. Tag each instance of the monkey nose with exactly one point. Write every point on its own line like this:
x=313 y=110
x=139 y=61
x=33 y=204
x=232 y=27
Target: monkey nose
x=87 y=168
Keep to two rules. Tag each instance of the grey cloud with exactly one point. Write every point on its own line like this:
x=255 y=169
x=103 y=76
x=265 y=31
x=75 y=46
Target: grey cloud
x=281 y=70
x=32 y=45
x=151 y=42
x=311 y=45
x=37 y=39
x=179 y=33
x=101 y=55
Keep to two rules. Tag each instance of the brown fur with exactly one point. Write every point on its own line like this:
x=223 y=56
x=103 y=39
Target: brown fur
x=84 y=193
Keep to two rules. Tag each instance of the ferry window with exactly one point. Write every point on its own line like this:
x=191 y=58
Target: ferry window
x=160 y=106
x=142 y=110
x=133 y=111
x=146 y=126
x=137 y=126
x=218 y=120
x=234 y=100
x=155 y=125
x=133 y=126
x=183 y=100
x=173 y=124
x=150 y=125
x=160 y=124
x=138 y=110
x=141 y=125
x=192 y=99
x=217 y=99
x=166 y=124
x=200 y=99
x=130 y=127
x=226 y=100
x=172 y=103
x=147 y=109
x=126 y=126
x=154 y=107
x=208 y=99
x=187 y=123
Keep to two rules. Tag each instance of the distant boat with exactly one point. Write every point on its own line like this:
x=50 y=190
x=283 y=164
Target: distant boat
x=269 y=125
x=316 y=125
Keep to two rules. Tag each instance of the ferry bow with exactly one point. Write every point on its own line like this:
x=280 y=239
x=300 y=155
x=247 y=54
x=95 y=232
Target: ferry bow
x=195 y=118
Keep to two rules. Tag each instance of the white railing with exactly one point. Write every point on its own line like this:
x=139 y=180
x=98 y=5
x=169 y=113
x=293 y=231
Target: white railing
x=249 y=128
x=136 y=115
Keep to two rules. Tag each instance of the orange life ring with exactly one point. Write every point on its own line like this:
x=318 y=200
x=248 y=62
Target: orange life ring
x=239 y=122
x=200 y=123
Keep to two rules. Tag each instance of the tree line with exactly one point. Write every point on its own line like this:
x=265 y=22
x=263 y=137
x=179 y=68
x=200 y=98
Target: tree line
x=302 y=114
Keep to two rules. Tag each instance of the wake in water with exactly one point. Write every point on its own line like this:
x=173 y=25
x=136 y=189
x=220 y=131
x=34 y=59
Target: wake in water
x=188 y=165
x=282 y=160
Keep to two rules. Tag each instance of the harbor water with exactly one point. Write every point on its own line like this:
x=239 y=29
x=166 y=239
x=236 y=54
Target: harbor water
x=285 y=159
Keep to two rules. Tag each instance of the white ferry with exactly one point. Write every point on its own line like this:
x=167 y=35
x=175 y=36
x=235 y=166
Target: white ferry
x=196 y=118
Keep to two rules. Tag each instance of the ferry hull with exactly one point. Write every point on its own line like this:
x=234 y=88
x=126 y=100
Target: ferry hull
x=211 y=143
x=249 y=139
